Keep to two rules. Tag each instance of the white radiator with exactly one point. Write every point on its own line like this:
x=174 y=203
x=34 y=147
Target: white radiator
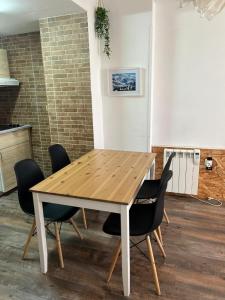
x=185 y=167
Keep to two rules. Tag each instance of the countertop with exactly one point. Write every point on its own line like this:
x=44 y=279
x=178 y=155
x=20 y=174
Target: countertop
x=15 y=129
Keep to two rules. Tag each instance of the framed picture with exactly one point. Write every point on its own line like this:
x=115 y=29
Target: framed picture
x=126 y=82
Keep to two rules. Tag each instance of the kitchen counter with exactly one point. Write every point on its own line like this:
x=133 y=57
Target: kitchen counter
x=14 y=129
x=15 y=145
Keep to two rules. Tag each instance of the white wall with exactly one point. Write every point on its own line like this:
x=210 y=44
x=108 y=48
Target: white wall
x=95 y=67
x=126 y=119
x=189 y=77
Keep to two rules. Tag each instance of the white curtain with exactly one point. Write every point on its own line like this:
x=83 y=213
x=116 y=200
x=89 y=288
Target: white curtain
x=209 y=8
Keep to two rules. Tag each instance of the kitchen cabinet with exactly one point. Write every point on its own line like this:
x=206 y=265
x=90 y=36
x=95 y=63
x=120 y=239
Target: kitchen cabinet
x=14 y=146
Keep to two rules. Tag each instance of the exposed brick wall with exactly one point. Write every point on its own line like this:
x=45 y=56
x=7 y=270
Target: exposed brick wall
x=54 y=99
x=27 y=104
x=65 y=51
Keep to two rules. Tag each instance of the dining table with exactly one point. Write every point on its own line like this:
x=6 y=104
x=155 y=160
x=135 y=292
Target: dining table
x=103 y=180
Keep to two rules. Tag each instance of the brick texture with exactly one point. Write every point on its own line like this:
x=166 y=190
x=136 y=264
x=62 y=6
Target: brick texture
x=65 y=51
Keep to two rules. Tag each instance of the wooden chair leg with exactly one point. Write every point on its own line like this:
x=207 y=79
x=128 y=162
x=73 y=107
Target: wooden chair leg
x=160 y=234
x=160 y=244
x=26 y=247
x=114 y=260
x=76 y=228
x=166 y=217
x=152 y=260
x=58 y=245
x=84 y=218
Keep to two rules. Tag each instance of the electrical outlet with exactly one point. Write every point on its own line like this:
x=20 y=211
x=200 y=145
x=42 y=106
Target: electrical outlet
x=209 y=163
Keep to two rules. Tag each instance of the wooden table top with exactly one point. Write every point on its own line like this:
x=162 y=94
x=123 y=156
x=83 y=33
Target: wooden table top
x=104 y=175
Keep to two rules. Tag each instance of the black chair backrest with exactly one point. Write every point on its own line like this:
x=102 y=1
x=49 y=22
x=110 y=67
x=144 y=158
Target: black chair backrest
x=28 y=174
x=59 y=157
x=167 y=165
x=159 y=204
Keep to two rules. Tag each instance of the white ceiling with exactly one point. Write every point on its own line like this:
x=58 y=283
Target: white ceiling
x=21 y=16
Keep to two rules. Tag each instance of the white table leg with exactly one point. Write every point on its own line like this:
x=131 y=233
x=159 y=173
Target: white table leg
x=152 y=171
x=125 y=237
x=42 y=244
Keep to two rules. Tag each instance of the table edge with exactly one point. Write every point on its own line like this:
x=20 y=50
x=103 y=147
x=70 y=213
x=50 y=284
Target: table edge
x=84 y=198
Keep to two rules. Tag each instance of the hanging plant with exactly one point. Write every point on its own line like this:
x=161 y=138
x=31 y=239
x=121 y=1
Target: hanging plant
x=102 y=26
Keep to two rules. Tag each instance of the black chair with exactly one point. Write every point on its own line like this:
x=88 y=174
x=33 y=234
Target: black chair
x=150 y=188
x=28 y=174
x=60 y=159
x=144 y=220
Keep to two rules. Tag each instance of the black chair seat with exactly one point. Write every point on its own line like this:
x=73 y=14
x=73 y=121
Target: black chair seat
x=59 y=213
x=149 y=189
x=141 y=220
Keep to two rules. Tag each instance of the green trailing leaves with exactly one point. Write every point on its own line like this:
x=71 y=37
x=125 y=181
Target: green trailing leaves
x=102 y=26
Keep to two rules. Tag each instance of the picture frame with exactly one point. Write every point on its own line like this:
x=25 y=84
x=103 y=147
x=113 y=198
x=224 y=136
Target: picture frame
x=126 y=82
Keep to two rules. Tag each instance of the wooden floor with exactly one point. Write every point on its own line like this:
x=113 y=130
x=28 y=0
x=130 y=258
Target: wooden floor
x=193 y=270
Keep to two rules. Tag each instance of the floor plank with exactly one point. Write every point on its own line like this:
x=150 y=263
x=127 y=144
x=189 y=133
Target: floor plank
x=193 y=270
